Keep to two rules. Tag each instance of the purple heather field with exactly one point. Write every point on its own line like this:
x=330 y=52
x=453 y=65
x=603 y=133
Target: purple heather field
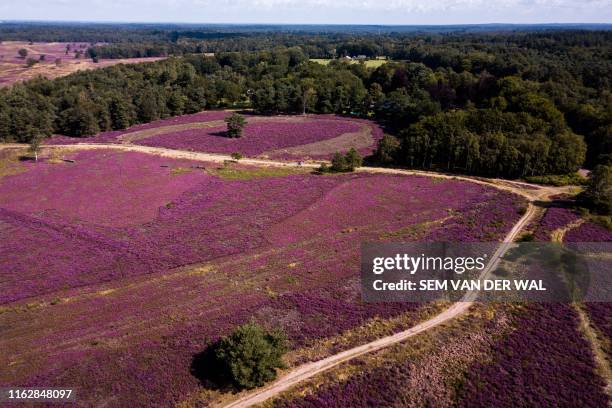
x=278 y=137
x=257 y=138
x=115 y=293
x=541 y=360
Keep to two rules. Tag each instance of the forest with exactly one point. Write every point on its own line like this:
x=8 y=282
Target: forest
x=511 y=103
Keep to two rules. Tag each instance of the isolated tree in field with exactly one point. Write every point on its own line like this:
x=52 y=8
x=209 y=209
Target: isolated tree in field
x=235 y=125
x=34 y=147
x=23 y=53
x=249 y=357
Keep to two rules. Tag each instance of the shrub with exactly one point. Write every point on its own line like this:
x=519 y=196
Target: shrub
x=342 y=164
x=235 y=125
x=249 y=357
x=31 y=62
x=236 y=155
x=353 y=159
x=338 y=163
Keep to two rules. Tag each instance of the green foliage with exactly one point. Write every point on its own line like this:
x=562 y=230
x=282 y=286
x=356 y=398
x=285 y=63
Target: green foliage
x=235 y=125
x=338 y=163
x=236 y=155
x=31 y=62
x=512 y=104
x=249 y=357
x=598 y=194
x=34 y=146
x=343 y=163
x=22 y=52
x=387 y=150
x=573 y=179
x=491 y=142
x=353 y=159
x=527 y=237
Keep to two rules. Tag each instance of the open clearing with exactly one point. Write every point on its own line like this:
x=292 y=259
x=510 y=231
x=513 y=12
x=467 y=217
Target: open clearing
x=271 y=137
x=370 y=63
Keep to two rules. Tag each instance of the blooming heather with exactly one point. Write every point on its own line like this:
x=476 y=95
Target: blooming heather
x=257 y=137
x=600 y=313
x=554 y=218
x=589 y=232
x=544 y=362
x=112 y=136
x=122 y=297
x=273 y=136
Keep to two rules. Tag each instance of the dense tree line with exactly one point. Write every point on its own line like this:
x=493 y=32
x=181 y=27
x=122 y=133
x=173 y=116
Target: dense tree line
x=515 y=104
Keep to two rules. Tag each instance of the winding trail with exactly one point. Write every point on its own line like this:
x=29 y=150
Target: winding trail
x=309 y=370
x=530 y=191
x=303 y=372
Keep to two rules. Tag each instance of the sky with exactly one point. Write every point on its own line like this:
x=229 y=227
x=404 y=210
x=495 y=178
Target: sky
x=313 y=11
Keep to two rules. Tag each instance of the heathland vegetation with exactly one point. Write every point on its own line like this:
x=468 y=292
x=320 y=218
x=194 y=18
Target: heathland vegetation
x=225 y=273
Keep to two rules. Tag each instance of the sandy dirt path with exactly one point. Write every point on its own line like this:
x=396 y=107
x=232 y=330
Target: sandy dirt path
x=530 y=191
x=309 y=370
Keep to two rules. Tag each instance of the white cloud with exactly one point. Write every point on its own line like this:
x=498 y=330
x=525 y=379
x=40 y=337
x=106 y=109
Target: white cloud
x=407 y=5
x=315 y=11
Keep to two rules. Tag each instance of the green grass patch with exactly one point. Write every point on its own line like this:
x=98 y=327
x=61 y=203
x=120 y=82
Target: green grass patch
x=229 y=173
x=9 y=162
x=177 y=171
x=373 y=63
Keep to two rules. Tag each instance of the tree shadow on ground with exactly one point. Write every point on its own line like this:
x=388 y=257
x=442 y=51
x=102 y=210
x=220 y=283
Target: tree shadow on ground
x=206 y=368
x=221 y=133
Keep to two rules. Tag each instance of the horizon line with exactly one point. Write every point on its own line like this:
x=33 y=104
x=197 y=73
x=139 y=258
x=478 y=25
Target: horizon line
x=3 y=21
